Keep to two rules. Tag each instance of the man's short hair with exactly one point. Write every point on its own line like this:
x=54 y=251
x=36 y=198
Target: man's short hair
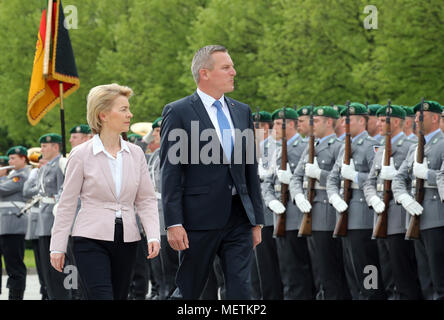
x=202 y=59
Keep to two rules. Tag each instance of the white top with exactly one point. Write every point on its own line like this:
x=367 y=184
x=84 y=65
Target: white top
x=115 y=164
x=212 y=111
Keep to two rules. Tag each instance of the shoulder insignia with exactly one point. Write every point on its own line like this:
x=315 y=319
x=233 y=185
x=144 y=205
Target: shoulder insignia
x=331 y=140
x=400 y=142
x=361 y=141
x=435 y=140
x=295 y=143
x=16 y=179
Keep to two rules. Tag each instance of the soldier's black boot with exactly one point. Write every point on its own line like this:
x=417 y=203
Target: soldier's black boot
x=15 y=294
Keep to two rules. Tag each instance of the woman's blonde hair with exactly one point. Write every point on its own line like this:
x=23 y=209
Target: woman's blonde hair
x=100 y=99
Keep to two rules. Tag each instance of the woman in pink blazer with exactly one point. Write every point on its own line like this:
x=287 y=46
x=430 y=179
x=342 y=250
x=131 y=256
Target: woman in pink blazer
x=111 y=177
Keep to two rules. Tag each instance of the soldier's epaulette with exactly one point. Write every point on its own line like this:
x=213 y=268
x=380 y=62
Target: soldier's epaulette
x=295 y=143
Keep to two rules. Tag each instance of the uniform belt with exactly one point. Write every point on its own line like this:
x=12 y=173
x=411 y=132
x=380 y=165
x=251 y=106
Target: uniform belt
x=48 y=200
x=11 y=204
x=353 y=185
x=426 y=185
x=317 y=185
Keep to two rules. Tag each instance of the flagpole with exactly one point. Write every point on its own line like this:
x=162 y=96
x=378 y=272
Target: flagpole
x=47 y=39
x=62 y=118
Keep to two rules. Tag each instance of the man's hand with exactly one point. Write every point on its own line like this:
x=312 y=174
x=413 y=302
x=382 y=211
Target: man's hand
x=284 y=176
x=257 y=235
x=177 y=238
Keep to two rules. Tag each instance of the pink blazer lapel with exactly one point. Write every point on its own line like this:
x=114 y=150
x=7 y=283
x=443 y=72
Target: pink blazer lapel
x=125 y=170
x=106 y=170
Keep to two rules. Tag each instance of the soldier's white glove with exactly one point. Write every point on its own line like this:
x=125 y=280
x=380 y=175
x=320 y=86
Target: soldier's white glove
x=377 y=204
x=312 y=170
x=420 y=169
x=54 y=209
x=410 y=205
x=388 y=172
x=302 y=203
x=337 y=202
x=284 y=176
x=348 y=171
x=262 y=172
x=276 y=206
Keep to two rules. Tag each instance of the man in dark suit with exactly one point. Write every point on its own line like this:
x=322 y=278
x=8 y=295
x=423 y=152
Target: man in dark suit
x=212 y=201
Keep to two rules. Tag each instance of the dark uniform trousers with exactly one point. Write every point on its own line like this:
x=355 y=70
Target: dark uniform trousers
x=433 y=240
x=38 y=265
x=364 y=252
x=403 y=264
x=330 y=266
x=295 y=266
x=425 y=279
x=13 y=250
x=386 y=268
x=106 y=266
x=53 y=279
x=139 y=283
x=268 y=266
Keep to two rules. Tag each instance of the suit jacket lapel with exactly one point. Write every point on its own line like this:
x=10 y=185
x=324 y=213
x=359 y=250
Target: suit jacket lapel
x=106 y=170
x=199 y=108
x=234 y=113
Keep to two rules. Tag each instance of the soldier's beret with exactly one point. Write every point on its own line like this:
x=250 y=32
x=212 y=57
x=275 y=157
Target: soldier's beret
x=373 y=109
x=356 y=109
x=304 y=111
x=395 y=111
x=4 y=161
x=326 y=111
x=290 y=113
x=338 y=108
x=430 y=106
x=264 y=116
x=157 y=123
x=17 y=150
x=133 y=137
x=408 y=111
x=81 y=128
x=51 y=138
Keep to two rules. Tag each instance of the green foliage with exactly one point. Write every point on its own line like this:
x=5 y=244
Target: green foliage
x=285 y=52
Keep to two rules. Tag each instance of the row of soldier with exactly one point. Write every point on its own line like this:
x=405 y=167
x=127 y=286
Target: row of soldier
x=291 y=267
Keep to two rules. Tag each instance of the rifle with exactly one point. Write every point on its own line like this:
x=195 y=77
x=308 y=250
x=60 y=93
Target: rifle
x=413 y=229
x=7 y=167
x=380 y=230
x=279 y=230
x=342 y=224
x=306 y=223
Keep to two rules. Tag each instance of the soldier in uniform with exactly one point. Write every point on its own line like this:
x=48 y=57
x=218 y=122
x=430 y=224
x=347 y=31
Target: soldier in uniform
x=30 y=191
x=328 y=250
x=361 y=249
x=401 y=254
x=12 y=223
x=340 y=123
x=294 y=258
x=373 y=128
x=79 y=134
x=441 y=123
x=3 y=173
x=409 y=122
x=431 y=210
x=134 y=138
x=266 y=252
x=50 y=187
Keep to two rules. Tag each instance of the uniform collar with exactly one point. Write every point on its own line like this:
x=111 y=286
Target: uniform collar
x=431 y=135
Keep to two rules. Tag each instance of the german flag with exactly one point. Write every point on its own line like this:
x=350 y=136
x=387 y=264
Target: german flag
x=44 y=93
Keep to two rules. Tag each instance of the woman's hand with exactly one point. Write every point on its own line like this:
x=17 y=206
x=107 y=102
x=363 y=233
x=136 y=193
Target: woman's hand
x=57 y=261
x=153 y=249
